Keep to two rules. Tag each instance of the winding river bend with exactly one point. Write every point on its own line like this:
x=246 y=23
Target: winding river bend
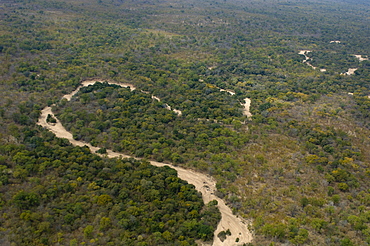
x=203 y=183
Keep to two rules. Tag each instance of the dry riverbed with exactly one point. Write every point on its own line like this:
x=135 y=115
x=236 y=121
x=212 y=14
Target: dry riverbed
x=203 y=183
x=305 y=52
x=350 y=71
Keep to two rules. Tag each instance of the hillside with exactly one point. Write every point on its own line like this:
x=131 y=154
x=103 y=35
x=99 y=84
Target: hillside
x=297 y=169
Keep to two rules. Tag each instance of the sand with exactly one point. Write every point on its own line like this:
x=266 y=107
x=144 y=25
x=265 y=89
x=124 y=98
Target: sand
x=351 y=71
x=247 y=105
x=228 y=91
x=361 y=58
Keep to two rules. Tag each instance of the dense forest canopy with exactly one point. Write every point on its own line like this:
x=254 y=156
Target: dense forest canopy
x=298 y=169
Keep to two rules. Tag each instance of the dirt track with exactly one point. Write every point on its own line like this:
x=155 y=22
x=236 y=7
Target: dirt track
x=203 y=183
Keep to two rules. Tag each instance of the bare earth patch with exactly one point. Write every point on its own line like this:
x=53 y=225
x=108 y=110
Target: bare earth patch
x=361 y=58
x=350 y=71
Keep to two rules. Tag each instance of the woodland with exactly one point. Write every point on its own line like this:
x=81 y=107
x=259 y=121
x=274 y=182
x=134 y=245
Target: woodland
x=298 y=169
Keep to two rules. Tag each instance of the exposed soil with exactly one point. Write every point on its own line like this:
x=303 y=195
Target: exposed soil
x=361 y=58
x=247 y=106
x=351 y=71
x=228 y=91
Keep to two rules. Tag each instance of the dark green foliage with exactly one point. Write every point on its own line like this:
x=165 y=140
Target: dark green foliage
x=25 y=200
x=69 y=188
x=223 y=235
x=102 y=151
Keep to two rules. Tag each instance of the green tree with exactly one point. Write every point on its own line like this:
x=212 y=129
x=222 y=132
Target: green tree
x=88 y=231
x=26 y=200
